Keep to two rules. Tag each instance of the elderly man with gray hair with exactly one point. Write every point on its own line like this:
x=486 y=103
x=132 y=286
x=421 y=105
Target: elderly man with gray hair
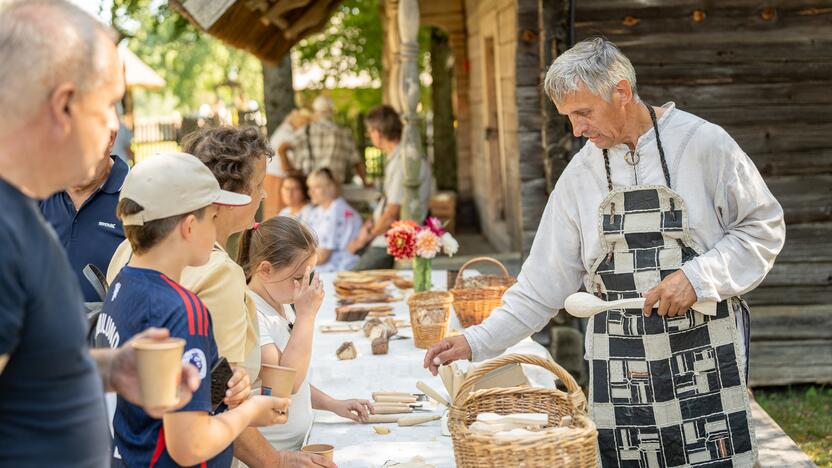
x=659 y=204
x=61 y=77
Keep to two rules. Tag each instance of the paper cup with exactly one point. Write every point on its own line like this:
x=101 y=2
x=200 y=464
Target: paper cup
x=320 y=449
x=159 y=364
x=276 y=381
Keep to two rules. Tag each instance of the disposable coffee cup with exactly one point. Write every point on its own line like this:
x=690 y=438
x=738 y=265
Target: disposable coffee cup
x=324 y=450
x=159 y=364
x=276 y=381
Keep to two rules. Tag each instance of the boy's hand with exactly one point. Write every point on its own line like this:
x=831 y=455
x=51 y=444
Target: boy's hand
x=270 y=410
x=124 y=378
x=308 y=298
x=301 y=459
x=239 y=388
x=357 y=410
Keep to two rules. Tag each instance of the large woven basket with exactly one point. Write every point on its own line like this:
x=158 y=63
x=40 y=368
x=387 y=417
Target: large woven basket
x=477 y=296
x=426 y=335
x=575 y=448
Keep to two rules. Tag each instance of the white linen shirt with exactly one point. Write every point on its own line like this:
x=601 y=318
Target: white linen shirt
x=733 y=217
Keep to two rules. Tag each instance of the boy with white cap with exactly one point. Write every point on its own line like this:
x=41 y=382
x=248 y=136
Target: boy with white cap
x=168 y=206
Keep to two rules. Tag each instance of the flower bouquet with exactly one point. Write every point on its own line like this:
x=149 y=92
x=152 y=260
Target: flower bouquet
x=407 y=240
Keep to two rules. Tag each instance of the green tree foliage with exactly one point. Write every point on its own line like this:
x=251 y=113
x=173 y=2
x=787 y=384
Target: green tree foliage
x=197 y=67
x=350 y=43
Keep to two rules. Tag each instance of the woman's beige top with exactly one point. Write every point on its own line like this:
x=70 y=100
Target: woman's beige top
x=221 y=284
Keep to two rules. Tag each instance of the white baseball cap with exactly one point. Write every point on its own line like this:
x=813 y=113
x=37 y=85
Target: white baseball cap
x=171 y=184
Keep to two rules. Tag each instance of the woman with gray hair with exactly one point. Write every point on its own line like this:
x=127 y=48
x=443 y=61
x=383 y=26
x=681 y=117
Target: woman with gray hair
x=659 y=204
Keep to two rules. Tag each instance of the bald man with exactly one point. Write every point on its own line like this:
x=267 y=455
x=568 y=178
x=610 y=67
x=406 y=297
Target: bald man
x=61 y=78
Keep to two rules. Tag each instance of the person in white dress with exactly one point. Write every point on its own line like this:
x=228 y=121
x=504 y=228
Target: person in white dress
x=278 y=258
x=334 y=221
x=296 y=197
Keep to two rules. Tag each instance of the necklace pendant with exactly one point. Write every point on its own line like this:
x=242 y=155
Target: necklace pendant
x=632 y=158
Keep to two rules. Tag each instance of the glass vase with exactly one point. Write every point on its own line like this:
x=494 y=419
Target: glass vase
x=421 y=274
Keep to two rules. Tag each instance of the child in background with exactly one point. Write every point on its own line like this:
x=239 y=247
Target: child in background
x=168 y=207
x=334 y=221
x=278 y=257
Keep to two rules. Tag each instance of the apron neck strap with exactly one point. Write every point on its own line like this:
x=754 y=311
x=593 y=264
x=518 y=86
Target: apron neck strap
x=658 y=145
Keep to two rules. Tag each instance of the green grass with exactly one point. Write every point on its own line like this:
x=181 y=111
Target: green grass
x=805 y=414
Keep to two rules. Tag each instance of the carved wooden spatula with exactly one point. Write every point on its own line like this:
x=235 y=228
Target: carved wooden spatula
x=586 y=305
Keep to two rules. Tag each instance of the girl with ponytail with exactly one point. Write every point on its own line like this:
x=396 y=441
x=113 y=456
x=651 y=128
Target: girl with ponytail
x=278 y=257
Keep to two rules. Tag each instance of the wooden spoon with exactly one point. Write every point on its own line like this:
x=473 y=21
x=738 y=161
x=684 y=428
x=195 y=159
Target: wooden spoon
x=586 y=305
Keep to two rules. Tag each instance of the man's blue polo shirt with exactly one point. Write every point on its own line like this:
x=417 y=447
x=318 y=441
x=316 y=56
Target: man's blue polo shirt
x=91 y=234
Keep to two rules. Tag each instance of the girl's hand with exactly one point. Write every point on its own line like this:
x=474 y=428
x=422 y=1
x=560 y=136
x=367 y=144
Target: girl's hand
x=357 y=410
x=308 y=297
x=239 y=388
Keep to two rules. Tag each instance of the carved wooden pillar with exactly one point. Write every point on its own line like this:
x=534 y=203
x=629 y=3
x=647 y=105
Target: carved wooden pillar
x=409 y=94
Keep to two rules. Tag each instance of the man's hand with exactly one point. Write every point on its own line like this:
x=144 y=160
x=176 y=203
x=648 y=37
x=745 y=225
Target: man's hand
x=674 y=294
x=301 y=459
x=239 y=388
x=124 y=378
x=446 y=351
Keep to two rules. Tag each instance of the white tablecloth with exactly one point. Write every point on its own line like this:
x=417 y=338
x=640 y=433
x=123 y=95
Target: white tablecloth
x=357 y=445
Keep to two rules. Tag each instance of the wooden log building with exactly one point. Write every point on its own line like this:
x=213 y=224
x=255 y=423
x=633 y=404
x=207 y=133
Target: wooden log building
x=762 y=69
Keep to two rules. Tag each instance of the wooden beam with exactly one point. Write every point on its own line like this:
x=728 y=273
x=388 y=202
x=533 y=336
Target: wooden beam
x=257 y=5
x=275 y=13
x=807 y=243
x=791 y=322
x=785 y=362
x=800 y=295
x=310 y=18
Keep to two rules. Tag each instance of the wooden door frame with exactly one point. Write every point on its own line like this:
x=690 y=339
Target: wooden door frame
x=488 y=28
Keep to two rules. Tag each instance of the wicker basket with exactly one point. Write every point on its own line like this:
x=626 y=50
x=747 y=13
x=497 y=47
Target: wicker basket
x=425 y=335
x=576 y=448
x=476 y=297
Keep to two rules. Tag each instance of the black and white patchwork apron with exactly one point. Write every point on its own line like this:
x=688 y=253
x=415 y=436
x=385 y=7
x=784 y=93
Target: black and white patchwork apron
x=664 y=391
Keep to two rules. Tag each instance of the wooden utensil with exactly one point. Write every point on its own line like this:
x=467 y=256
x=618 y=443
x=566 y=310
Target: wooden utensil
x=395 y=399
x=586 y=305
x=392 y=409
x=447 y=376
x=414 y=420
x=382 y=418
x=459 y=378
x=350 y=328
x=429 y=391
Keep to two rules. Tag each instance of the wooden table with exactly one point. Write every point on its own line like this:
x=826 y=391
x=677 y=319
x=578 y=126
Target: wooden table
x=357 y=445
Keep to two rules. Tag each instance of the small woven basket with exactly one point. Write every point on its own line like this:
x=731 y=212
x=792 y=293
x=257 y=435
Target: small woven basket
x=477 y=296
x=438 y=302
x=574 y=448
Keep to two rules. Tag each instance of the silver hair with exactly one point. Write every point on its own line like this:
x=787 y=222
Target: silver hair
x=42 y=44
x=596 y=63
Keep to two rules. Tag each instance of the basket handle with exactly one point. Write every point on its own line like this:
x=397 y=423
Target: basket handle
x=575 y=393
x=457 y=282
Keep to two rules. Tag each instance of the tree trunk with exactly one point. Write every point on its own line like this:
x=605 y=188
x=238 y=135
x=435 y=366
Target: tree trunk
x=444 y=139
x=278 y=93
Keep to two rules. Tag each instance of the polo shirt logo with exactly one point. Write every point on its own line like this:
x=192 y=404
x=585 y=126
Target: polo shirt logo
x=196 y=357
x=107 y=225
